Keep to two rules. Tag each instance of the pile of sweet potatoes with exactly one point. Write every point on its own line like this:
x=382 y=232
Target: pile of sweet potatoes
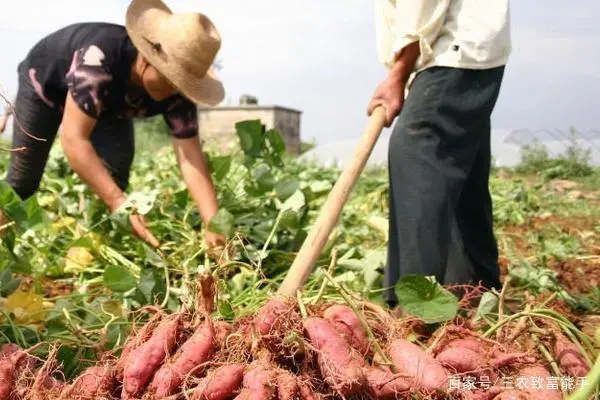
x=328 y=351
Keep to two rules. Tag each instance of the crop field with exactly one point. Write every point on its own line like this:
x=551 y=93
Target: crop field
x=87 y=311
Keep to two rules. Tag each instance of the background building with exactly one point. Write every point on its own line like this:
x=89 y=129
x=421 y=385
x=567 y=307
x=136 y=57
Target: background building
x=217 y=124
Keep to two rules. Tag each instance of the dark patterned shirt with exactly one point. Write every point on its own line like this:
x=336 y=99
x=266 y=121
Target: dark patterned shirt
x=93 y=62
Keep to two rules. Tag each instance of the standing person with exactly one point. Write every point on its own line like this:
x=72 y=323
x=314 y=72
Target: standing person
x=451 y=54
x=92 y=79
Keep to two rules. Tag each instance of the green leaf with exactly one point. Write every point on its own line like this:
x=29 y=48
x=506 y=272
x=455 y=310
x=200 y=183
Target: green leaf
x=320 y=187
x=222 y=222
x=226 y=310
x=295 y=202
x=487 y=305
x=35 y=215
x=119 y=279
x=220 y=166
x=250 y=134
x=263 y=176
x=147 y=283
x=424 y=298
x=286 y=187
x=276 y=141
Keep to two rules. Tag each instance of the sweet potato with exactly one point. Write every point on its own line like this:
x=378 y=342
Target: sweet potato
x=340 y=365
x=191 y=355
x=345 y=321
x=267 y=317
x=7 y=378
x=96 y=382
x=6 y=350
x=512 y=395
x=471 y=344
x=533 y=380
x=569 y=358
x=259 y=383
x=141 y=364
x=425 y=372
x=221 y=384
x=222 y=330
x=383 y=385
x=287 y=386
x=502 y=360
x=461 y=359
x=306 y=392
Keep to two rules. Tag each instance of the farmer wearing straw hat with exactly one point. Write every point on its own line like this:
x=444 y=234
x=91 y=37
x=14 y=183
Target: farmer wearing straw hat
x=91 y=79
x=451 y=54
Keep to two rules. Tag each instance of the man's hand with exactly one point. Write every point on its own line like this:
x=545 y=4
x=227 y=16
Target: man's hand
x=390 y=92
x=390 y=95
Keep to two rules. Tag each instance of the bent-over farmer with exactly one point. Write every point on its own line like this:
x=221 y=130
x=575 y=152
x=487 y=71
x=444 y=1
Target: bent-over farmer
x=451 y=54
x=92 y=79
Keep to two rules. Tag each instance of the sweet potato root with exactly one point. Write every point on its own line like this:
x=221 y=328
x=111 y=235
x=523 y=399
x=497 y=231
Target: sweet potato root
x=259 y=383
x=141 y=364
x=512 y=395
x=268 y=317
x=190 y=356
x=383 y=385
x=96 y=382
x=7 y=378
x=306 y=392
x=340 y=365
x=222 y=330
x=569 y=358
x=533 y=380
x=426 y=372
x=287 y=386
x=221 y=384
x=461 y=359
x=345 y=321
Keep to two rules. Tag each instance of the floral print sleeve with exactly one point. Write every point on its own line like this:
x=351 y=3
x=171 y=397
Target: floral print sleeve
x=89 y=79
x=182 y=118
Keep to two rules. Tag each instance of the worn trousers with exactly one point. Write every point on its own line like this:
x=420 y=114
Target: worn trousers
x=34 y=119
x=440 y=207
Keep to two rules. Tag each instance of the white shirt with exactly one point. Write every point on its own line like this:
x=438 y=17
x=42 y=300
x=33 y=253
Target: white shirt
x=472 y=34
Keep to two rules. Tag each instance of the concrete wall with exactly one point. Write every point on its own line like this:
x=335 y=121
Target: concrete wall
x=217 y=125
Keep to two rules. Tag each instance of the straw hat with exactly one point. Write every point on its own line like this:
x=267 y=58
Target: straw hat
x=181 y=46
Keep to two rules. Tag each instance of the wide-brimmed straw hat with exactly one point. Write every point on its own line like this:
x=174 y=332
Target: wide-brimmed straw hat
x=180 y=46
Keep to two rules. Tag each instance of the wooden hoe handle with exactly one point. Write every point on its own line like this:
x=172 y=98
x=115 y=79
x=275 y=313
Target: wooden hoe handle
x=319 y=234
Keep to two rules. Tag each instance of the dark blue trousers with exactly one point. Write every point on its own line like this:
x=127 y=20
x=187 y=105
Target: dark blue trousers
x=440 y=216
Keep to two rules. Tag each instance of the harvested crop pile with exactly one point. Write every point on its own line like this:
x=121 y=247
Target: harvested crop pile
x=288 y=351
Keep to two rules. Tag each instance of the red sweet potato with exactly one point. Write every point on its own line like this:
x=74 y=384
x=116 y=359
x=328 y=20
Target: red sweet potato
x=7 y=378
x=6 y=350
x=345 y=321
x=259 y=383
x=512 y=395
x=287 y=386
x=461 y=359
x=533 y=380
x=383 y=385
x=267 y=317
x=306 y=392
x=146 y=359
x=221 y=384
x=191 y=355
x=222 y=330
x=96 y=382
x=471 y=344
x=569 y=358
x=502 y=359
x=340 y=365
x=425 y=371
